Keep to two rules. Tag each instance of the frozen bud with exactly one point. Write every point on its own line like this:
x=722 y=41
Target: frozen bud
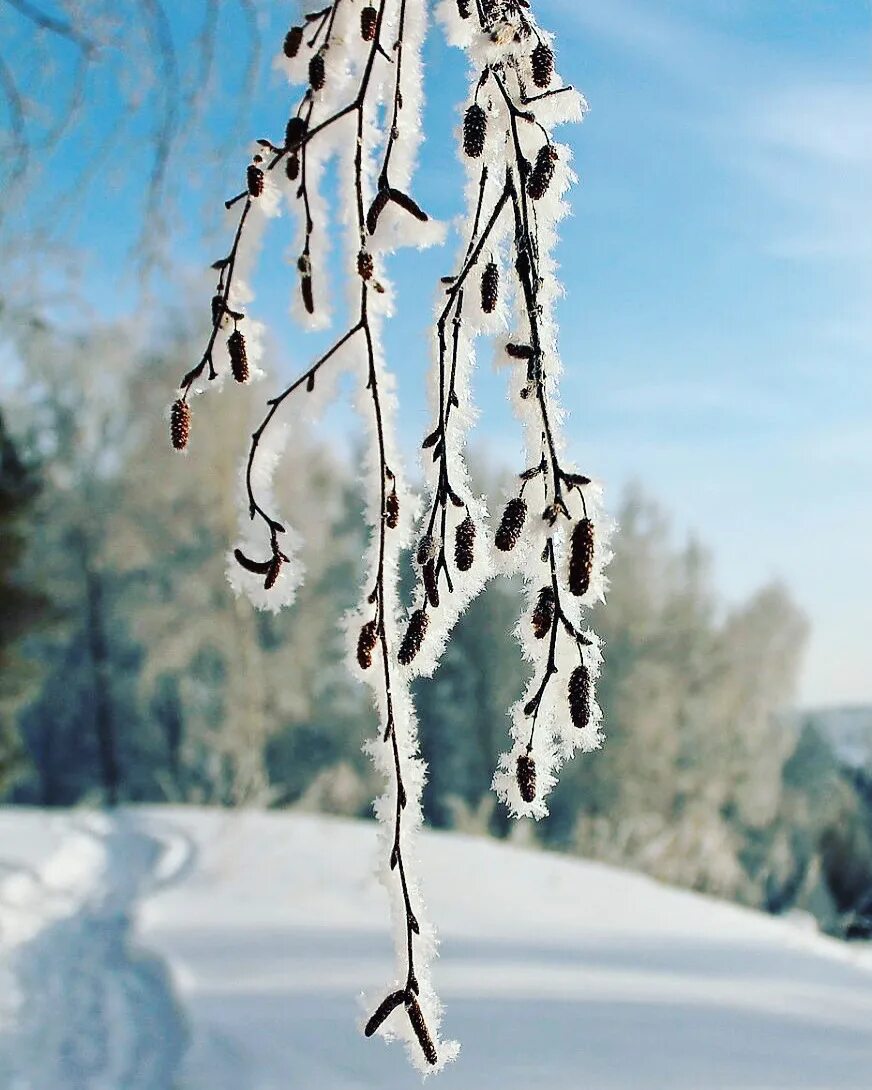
x=295 y=131
x=317 y=72
x=392 y=511
x=238 y=356
x=543 y=613
x=474 y=129
x=366 y=644
x=542 y=63
x=464 y=544
x=581 y=552
x=180 y=424
x=542 y=172
x=292 y=167
x=416 y=1018
x=413 y=637
x=427 y=549
x=254 y=177
x=463 y=9
x=526 y=775
x=579 y=696
x=218 y=308
x=490 y=287
x=511 y=524
x=368 y=23
x=365 y=266
x=431 y=583
x=293 y=41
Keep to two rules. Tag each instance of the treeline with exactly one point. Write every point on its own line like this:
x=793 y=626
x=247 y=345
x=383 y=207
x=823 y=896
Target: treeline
x=130 y=672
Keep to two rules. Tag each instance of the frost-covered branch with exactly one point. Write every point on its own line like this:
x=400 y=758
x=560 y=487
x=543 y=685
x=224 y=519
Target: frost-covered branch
x=560 y=548
x=362 y=106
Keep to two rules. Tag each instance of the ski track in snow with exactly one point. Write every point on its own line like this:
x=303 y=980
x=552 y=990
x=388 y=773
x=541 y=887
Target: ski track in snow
x=181 y=949
x=84 y=1006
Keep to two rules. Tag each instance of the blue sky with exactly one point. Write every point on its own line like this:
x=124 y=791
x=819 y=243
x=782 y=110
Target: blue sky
x=717 y=330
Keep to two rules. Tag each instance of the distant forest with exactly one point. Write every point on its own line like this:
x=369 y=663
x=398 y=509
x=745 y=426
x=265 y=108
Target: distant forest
x=129 y=672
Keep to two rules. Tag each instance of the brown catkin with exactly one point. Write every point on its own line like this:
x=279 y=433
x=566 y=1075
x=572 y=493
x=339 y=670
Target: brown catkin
x=317 y=72
x=368 y=23
x=413 y=637
x=511 y=524
x=464 y=544
x=366 y=644
x=273 y=572
x=542 y=63
x=542 y=172
x=463 y=9
x=431 y=584
x=388 y=1004
x=581 y=552
x=526 y=775
x=293 y=41
x=295 y=131
x=416 y=1018
x=180 y=424
x=292 y=168
x=543 y=613
x=365 y=265
x=392 y=511
x=238 y=356
x=426 y=549
x=474 y=129
x=254 y=178
x=490 y=287
x=579 y=696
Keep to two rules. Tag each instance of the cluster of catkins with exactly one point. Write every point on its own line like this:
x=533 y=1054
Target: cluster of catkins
x=360 y=67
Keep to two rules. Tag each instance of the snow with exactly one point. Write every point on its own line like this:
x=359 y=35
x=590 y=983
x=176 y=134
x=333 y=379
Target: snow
x=170 y=947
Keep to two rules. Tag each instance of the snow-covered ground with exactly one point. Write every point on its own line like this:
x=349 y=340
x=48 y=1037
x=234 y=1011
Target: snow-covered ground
x=173 y=949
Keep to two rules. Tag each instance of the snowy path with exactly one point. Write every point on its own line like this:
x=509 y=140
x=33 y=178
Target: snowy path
x=555 y=972
x=85 y=1007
